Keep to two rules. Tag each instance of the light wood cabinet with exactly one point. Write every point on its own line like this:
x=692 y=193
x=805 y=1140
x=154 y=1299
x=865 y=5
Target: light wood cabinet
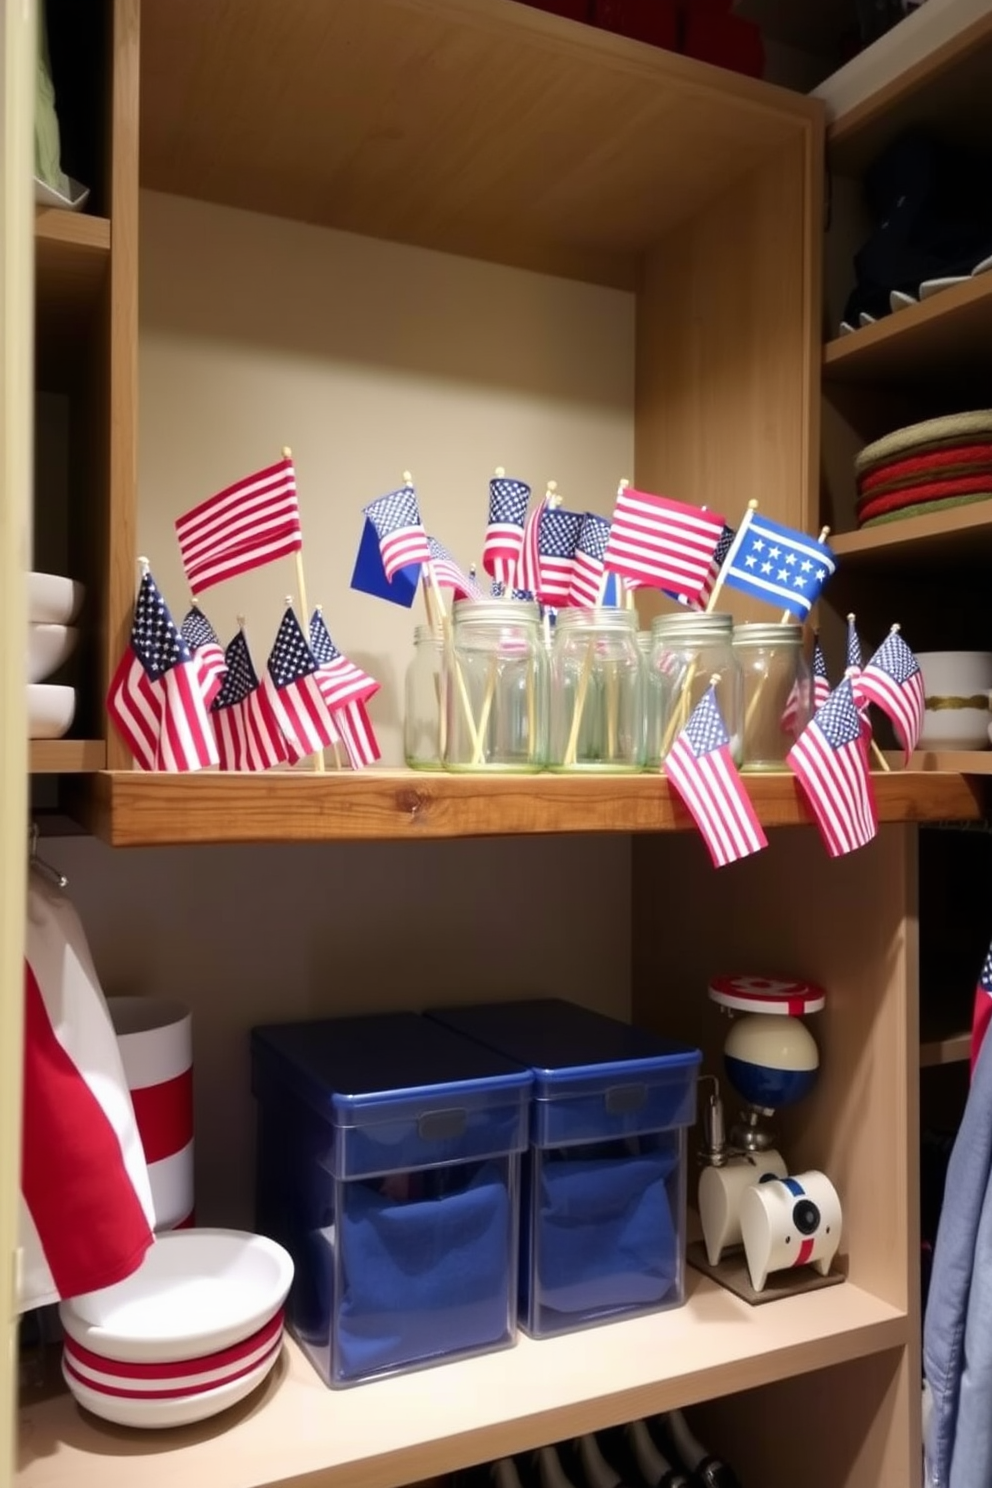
x=487 y=129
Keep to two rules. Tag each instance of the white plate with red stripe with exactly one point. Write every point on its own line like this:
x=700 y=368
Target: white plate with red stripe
x=196 y=1292
x=153 y=1396
x=751 y=994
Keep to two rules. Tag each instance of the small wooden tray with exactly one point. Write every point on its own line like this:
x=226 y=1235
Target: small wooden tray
x=732 y=1273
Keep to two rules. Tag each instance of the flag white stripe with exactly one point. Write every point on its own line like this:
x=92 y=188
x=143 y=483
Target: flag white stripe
x=245 y=525
x=681 y=772
x=212 y=512
x=230 y=563
x=739 y=810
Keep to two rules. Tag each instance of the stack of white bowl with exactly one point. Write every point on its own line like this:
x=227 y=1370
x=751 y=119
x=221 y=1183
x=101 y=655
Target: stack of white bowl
x=194 y=1330
x=53 y=604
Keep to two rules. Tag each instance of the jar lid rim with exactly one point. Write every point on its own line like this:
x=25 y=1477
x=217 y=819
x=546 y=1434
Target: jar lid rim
x=497 y=611
x=601 y=617
x=704 y=622
x=765 y=633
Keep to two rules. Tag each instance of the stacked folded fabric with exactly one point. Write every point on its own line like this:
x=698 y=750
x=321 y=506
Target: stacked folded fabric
x=925 y=467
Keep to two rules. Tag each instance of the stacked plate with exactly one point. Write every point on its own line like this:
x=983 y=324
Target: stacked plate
x=194 y=1330
x=926 y=467
x=53 y=604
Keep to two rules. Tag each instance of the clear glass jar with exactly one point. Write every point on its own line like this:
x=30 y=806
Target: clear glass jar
x=688 y=651
x=777 y=691
x=495 y=687
x=645 y=641
x=597 y=694
x=422 y=701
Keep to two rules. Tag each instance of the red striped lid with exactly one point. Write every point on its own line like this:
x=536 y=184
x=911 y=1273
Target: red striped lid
x=755 y=994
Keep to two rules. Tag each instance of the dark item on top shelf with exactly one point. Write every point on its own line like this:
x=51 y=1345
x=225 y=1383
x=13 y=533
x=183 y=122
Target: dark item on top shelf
x=653 y=21
x=931 y=204
x=712 y=33
x=572 y=10
x=925 y=467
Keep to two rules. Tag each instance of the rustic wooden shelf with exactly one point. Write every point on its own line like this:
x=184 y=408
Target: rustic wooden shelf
x=958 y=534
x=72 y=255
x=477 y=127
x=947 y=1048
x=399 y=1430
x=132 y=809
x=957 y=761
x=66 y=756
x=943 y=336
x=948 y=89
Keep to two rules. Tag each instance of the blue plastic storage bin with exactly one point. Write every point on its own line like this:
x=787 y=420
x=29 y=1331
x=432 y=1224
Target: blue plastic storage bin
x=388 y=1166
x=604 y=1180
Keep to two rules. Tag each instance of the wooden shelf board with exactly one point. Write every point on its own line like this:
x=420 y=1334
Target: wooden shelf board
x=946 y=335
x=961 y=532
x=133 y=809
x=66 y=756
x=399 y=1430
x=949 y=1048
x=478 y=127
x=954 y=761
x=947 y=89
x=72 y=254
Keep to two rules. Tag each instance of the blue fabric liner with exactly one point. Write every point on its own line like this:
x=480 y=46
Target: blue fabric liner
x=605 y=1235
x=425 y=1277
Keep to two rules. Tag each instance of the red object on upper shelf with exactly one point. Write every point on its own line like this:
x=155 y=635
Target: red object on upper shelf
x=705 y=29
x=653 y=21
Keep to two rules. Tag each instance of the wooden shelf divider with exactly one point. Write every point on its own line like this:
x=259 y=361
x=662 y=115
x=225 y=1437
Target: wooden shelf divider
x=943 y=335
x=72 y=256
x=957 y=533
x=67 y=756
x=133 y=809
x=421 y=1425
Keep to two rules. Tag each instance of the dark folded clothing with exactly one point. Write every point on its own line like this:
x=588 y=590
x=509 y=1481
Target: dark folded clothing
x=423 y=1278
x=606 y=1237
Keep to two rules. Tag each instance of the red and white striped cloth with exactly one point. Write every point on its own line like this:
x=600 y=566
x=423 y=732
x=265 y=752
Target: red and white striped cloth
x=244 y=526
x=86 y=1211
x=662 y=543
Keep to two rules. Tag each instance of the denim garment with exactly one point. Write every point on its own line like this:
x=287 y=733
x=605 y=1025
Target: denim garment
x=957 y=1331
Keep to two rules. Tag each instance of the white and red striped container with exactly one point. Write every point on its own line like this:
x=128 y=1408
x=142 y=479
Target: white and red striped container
x=156 y=1045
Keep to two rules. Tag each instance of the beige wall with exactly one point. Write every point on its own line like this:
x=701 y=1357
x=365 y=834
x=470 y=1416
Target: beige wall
x=366 y=358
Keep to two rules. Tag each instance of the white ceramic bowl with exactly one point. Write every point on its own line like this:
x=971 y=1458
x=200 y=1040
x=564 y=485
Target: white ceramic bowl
x=50 y=710
x=53 y=600
x=950 y=679
x=49 y=647
x=153 y=1414
x=196 y=1292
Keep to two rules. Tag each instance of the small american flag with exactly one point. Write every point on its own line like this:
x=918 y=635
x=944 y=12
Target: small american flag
x=208 y=653
x=557 y=542
x=701 y=600
x=498 y=591
x=402 y=539
x=244 y=526
x=830 y=761
x=528 y=572
x=982 y=1010
x=821 y=681
x=853 y=668
x=591 y=583
x=155 y=698
x=245 y=726
x=662 y=544
x=346 y=689
x=700 y=766
x=295 y=694
x=358 y=734
x=893 y=681
x=448 y=572
x=508 y=501
x=779 y=564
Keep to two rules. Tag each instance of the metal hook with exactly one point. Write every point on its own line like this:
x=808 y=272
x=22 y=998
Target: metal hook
x=39 y=865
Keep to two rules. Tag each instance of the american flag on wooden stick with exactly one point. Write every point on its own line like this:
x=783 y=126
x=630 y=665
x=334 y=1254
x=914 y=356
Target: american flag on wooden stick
x=245 y=726
x=251 y=523
x=662 y=544
x=821 y=681
x=893 y=681
x=402 y=539
x=294 y=691
x=208 y=653
x=701 y=768
x=501 y=551
x=346 y=689
x=448 y=572
x=591 y=584
x=830 y=761
x=557 y=542
x=155 y=697
x=701 y=600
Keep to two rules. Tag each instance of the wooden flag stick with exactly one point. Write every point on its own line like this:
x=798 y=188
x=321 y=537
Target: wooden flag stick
x=318 y=756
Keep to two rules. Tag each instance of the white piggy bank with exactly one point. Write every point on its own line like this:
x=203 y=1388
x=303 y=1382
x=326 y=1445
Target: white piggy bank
x=719 y=1198
x=790 y=1222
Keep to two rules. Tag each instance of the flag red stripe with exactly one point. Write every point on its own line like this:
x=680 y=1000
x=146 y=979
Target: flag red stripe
x=717 y=800
x=135 y=705
x=837 y=785
x=904 y=705
x=261 y=513
x=88 y=1216
x=273 y=477
x=981 y=1017
x=229 y=565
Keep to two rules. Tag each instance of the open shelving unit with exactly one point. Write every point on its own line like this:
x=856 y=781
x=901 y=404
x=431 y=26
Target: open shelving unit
x=487 y=129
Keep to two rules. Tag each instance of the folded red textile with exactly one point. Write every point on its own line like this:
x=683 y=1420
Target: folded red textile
x=952 y=460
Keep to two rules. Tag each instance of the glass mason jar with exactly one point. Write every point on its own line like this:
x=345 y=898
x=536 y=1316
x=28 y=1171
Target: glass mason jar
x=645 y=641
x=422 y=701
x=688 y=651
x=597 y=698
x=495 y=687
x=778 y=692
